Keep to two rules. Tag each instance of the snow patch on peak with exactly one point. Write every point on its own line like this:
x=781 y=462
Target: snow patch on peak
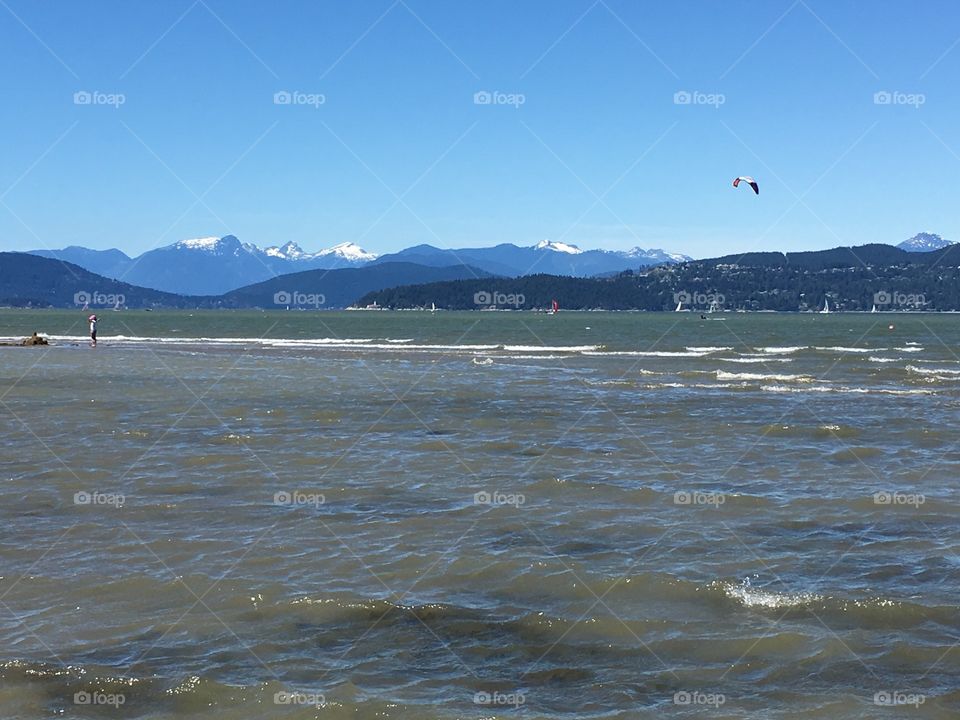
x=206 y=243
x=558 y=247
x=924 y=242
x=348 y=251
x=290 y=251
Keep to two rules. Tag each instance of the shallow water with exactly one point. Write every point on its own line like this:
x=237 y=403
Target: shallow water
x=465 y=515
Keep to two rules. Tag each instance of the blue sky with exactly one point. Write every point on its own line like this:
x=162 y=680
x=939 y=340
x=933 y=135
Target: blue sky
x=384 y=144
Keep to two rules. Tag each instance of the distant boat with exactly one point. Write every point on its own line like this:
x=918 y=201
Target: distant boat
x=873 y=309
x=554 y=307
x=433 y=307
x=679 y=306
x=826 y=307
x=714 y=307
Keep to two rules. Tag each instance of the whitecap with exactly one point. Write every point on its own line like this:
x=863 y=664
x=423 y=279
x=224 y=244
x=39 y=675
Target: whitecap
x=750 y=596
x=782 y=350
x=723 y=375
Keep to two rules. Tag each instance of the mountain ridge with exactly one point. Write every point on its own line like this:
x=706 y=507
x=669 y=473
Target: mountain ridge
x=214 y=266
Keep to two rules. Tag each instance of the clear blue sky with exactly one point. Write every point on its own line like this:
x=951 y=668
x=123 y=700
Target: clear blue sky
x=199 y=147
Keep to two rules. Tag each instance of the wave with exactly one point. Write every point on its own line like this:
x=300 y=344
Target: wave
x=910 y=349
x=723 y=375
x=649 y=353
x=751 y=597
x=754 y=360
x=707 y=349
x=874 y=358
x=873 y=612
x=843 y=389
x=842 y=349
x=932 y=371
x=394 y=345
x=773 y=350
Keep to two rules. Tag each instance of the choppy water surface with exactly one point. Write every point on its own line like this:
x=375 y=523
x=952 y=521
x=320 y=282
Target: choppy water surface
x=414 y=515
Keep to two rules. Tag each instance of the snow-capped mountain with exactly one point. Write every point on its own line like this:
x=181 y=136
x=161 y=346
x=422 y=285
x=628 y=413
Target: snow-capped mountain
x=290 y=251
x=558 y=247
x=348 y=252
x=212 y=265
x=226 y=245
x=654 y=254
x=351 y=252
x=924 y=242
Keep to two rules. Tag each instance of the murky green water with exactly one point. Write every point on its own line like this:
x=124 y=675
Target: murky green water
x=415 y=515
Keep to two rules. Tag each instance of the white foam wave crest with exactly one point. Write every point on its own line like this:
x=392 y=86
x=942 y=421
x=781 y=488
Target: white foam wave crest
x=754 y=360
x=750 y=596
x=842 y=389
x=723 y=375
x=842 y=349
x=937 y=372
x=707 y=349
x=874 y=358
x=773 y=350
x=688 y=386
x=910 y=348
x=401 y=345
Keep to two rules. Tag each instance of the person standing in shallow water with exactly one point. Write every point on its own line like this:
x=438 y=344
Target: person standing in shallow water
x=93 y=330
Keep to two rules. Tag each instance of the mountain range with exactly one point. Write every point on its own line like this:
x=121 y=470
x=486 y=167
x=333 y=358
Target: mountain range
x=28 y=280
x=864 y=278
x=208 y=266
x=422 y=275
x=214 y=266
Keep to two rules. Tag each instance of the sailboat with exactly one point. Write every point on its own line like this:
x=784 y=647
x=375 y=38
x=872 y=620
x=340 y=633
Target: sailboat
x=826 y=307
x=554 y=308
x=679 y=306
x=433 y=307
x=874 y=308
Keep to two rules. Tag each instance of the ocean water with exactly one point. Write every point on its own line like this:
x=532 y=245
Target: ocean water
x=479 y=515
